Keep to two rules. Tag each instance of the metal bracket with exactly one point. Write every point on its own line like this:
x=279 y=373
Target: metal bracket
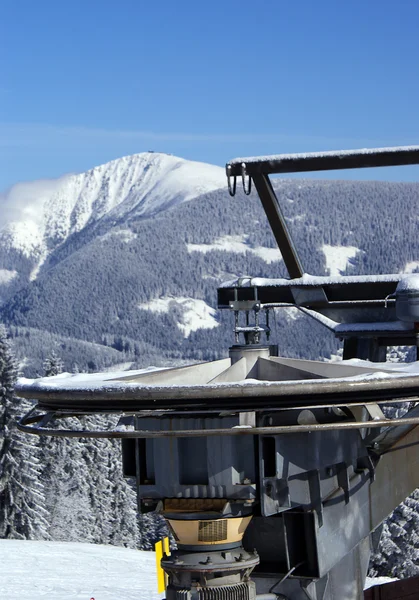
x=247 y=190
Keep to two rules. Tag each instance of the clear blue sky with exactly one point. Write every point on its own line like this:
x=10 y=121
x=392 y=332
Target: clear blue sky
x=86 y=81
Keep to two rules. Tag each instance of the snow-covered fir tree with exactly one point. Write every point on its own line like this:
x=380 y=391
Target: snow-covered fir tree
x=87 y=496
x=124 y=524
x=67 y=481
x=113 y=500
x=65 y=477
x=398 y=552
x=53 y=365
x=22 y=501
x=153 y=528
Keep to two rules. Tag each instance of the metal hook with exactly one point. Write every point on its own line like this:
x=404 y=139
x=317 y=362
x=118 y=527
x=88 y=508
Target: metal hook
x=249 y=187
x=231 y=188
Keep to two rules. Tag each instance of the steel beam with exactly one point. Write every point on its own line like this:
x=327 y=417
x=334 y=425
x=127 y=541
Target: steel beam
x=324 y=161
x=278 y=225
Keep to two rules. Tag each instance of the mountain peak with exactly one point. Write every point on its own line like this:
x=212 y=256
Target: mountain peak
x=140 y=184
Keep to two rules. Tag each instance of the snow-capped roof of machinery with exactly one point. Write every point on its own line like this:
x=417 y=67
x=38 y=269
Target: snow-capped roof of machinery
x=324 y=161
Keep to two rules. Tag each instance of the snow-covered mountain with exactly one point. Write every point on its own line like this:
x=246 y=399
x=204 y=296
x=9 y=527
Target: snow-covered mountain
x=129 y=256
x=46 y=213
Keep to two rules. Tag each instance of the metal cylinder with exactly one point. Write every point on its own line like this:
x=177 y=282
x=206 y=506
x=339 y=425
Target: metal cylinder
x=251 y=353
x=407 y=299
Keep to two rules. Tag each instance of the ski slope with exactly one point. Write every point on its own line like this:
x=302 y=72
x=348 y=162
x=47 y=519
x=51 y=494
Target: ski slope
x=71 y=571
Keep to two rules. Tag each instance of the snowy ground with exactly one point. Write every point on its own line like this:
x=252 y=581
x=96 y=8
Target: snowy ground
x=196 y=314
x=70 y=571
x=237 y=244
x=338 y=258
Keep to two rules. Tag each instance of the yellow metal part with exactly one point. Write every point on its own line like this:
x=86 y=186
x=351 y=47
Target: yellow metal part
x=209 y=531
x=162 y=548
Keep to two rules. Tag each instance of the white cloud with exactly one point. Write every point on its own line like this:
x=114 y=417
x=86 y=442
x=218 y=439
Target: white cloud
x=29 y=134
x=24 y=201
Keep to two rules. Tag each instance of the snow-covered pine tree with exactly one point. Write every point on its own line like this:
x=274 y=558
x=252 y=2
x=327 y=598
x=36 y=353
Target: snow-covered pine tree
x=398 y=551
x=67 y=480
x=112 y=498
x=124 y=523
x=53 y=365
x=65 y=477
x=22 y=501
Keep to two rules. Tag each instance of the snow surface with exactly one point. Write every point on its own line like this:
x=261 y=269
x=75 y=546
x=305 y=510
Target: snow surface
x=338 y=257
x=239 y=245
x=32 y=570
x=124 y=235
x=142 y=184
x=196 y=314
x=7 y=276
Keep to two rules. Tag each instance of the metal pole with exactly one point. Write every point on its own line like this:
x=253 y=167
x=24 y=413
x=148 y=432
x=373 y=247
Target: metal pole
x=278 y=225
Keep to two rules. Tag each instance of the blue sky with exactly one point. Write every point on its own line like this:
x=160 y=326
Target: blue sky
x=84 y=82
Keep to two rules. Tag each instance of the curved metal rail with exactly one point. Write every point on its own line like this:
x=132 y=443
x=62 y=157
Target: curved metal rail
x=134 y=398
x=26 y=425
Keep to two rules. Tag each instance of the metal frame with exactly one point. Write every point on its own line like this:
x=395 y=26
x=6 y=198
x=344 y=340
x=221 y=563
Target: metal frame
x=324 y=161
x=328 y=297
x=259 y=168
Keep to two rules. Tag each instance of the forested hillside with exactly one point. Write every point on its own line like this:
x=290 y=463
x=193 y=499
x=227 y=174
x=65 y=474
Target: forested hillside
x=142 y=286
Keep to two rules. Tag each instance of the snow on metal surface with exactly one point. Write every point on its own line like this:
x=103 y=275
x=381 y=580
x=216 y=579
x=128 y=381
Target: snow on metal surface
x=328 y=154
x=409 y=283
x=308 y=280
x=99 y=382
x=372 y=581
x=349 y=327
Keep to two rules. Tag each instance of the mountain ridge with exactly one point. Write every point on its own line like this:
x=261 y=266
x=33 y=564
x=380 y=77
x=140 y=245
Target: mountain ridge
x=105 y=279
x=142 y=184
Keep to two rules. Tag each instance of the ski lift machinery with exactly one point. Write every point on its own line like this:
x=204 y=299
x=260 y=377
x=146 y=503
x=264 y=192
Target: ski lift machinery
x=274 y=474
